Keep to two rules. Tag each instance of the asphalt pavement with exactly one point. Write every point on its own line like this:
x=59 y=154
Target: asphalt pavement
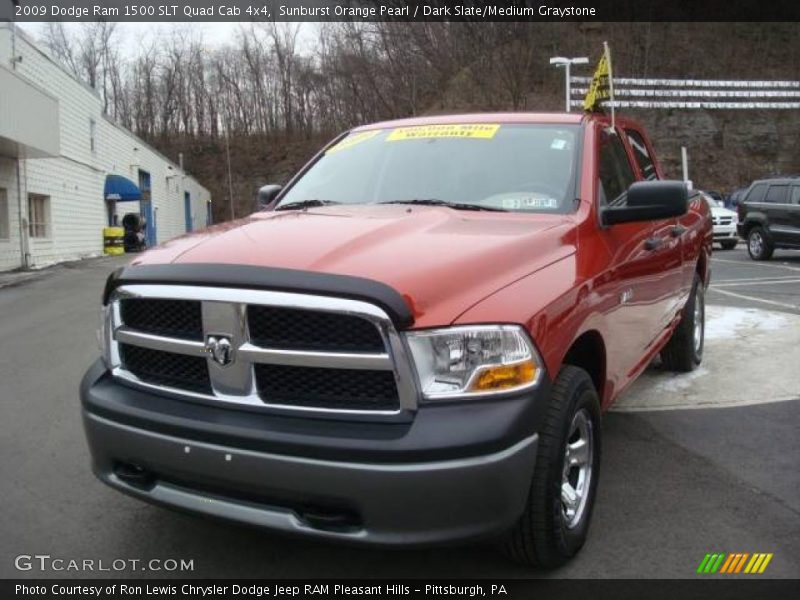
x=736 y=280
x=675 y=484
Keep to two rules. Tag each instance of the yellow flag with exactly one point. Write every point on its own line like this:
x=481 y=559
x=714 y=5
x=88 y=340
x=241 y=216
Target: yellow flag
x=599 y=88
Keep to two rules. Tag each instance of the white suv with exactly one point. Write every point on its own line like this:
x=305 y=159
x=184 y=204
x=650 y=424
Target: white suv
x=725 y=222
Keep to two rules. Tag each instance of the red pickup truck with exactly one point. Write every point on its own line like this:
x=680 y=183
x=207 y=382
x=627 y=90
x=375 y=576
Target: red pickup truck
x=414 y=340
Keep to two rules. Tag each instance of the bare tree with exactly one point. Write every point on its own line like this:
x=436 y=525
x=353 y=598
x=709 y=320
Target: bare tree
x=284 y=44
x=63 y=46
x=91 y=55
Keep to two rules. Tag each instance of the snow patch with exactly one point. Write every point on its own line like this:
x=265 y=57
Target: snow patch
x=680 y=382
x=725 y=322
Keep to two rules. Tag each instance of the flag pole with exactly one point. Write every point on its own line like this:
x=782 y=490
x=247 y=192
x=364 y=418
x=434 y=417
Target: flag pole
x=607 y=51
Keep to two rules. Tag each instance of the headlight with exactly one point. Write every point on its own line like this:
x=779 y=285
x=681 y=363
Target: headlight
x=474 y=360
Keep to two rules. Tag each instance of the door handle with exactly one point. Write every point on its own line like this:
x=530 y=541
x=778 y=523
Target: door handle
x=678 y=231
x=653 y=243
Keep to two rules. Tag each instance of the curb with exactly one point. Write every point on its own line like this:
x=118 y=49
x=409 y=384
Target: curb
x=12 y=279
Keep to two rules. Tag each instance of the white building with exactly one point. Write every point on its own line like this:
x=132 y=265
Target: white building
x=61 y=157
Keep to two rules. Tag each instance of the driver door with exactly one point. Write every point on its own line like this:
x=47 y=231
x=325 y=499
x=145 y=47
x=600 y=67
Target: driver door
x=633 y=270
x=669 y=283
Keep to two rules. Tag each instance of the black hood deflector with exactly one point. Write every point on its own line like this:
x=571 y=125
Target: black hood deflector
x=270 y=279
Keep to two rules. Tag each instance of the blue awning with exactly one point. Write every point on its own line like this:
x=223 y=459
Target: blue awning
x=121 y=189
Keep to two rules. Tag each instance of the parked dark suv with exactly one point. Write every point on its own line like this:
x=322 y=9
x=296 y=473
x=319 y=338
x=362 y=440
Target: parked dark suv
x=769 y=216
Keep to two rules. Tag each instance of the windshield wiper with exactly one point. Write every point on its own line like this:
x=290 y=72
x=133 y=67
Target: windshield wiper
x=313 y=203
x=437 y=202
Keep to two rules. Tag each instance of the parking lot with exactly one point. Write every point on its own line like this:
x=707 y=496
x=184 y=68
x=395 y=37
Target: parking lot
x=773 y=284
x=692 y=464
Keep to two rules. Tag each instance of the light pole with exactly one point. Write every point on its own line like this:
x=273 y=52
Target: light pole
x=560 y=61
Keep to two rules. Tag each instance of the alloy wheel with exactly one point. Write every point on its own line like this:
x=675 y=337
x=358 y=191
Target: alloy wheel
x=699 y=320
x=577 y=473
x=756 y=243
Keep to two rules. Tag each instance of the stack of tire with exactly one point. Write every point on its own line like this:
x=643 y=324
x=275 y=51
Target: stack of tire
x=113 y=240
x=133 y=225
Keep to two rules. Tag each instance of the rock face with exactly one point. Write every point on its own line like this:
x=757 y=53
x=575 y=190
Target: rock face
x=726 y=148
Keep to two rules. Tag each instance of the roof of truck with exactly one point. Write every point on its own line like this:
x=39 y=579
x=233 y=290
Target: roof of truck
x=562 y=118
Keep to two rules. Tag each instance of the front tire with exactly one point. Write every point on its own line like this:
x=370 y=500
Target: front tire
x=758 y=244
x=555 y=523
x=684 y=351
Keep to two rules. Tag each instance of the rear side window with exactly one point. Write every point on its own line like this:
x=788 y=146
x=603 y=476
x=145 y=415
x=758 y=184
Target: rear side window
x=615 y=171
x=643 y=159
x=777 y=194
x=795 y=194
x=757 y=193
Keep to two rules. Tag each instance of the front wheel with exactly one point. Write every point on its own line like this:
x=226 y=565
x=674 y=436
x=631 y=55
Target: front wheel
x=555 y=523
x=758 y=245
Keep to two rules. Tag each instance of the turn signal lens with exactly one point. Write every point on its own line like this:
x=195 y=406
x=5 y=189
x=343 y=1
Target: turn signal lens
x=504 y=376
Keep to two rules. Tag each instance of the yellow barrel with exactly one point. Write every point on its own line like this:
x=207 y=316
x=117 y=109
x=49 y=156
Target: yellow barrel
x=113 y=240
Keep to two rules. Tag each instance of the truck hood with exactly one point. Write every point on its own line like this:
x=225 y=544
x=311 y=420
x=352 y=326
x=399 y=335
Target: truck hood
x=442 y=261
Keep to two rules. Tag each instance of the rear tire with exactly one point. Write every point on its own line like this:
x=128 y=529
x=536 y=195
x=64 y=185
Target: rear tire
x=555 y=523
x=759 y=245
x=728 y=244
x=684 y=351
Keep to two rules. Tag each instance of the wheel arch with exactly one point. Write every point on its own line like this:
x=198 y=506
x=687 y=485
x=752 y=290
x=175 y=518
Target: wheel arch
x=702 y=268
x=588 y=352
x=753 y=220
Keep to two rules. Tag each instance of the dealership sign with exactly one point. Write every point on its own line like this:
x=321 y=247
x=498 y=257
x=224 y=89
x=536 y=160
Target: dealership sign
x=695 y=93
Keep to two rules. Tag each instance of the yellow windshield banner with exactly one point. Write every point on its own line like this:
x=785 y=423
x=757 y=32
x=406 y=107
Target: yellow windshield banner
x=483 y=131
x=599 y=88
x=352 y=140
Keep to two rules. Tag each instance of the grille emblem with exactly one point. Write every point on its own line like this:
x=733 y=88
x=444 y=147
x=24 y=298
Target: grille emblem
x=220 y=349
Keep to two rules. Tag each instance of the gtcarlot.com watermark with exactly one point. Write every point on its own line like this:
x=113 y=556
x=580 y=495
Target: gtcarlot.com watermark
x=48 y=563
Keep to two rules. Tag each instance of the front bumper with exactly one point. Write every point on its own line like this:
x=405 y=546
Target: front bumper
x=458 y=471
x=725 y=232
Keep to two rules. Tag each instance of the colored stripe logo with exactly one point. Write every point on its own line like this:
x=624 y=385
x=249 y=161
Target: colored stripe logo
x=737 y=562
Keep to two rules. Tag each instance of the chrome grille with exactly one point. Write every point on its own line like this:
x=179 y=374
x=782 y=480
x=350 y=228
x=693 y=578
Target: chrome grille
x=286 y=328
x=332 y=388
x=165 y=368
x=286 y=352
x=170 y=318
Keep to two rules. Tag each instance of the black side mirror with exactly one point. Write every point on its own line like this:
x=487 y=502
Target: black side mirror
x=649 y=201
x=266 y=194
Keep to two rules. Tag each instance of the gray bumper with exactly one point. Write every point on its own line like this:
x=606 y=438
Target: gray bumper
x=394 y=503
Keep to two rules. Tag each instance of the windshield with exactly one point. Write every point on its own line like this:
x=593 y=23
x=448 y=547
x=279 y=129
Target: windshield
x=524 y=168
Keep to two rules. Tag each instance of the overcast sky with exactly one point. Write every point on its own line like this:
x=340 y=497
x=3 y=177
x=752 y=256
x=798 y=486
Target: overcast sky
x=214 y=34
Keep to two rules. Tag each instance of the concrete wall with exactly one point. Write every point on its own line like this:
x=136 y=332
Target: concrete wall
x=36 y=127
x=75 y=180
x=124 y=154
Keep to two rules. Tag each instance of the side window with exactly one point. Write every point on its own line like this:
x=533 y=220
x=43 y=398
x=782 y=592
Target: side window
x=757 y=193
x=777 y=194
x=38 y=216
x=643 y=159
x=615 y=171
x=795 y=199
